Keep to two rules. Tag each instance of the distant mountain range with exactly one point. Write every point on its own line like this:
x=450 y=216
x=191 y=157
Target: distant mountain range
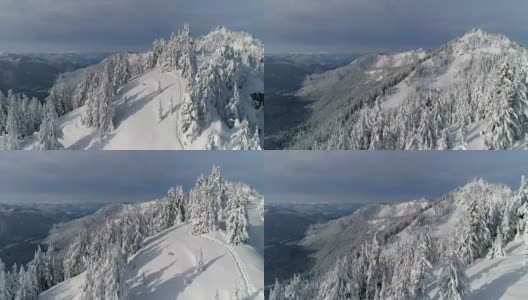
x=23 y=226
x=34 y=74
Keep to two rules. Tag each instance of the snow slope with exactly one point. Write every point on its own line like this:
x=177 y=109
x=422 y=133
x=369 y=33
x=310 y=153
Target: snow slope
x=165 y=269
x=504 y=278
x=459 y=77
x=135 y=119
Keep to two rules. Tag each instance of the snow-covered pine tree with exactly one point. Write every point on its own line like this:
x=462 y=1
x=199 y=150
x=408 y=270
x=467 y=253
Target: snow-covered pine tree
x=13 y=127
x=504 y=124
x=3 y=283
x=187 y=62
x=337 y=284
x=104 y=277
x=75 y=258
x=241 y=139
x=115 y=285
x=520 y=207
x=277 y=291
x=293 y=290
x=28 y=286
x=12 y=280
x=443 y=142
x=81 y=91
x=497 y=248
x=218 y=191
x=237 y=223
x=121 y=70
x=199 y=209
x=255 y=140
x=422 y=269
x=189 y=116
x=106 y=109
x=232 y=107
x=53 y=268
x=49 y=133
x=454 y=283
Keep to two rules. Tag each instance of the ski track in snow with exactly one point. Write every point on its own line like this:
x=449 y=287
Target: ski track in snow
x=249 y=288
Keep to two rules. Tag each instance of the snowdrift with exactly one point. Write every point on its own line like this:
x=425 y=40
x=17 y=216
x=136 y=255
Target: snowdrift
x=165 y=268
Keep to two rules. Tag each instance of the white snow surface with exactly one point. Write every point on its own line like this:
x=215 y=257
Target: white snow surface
x=168 y=262
x=136 y=123
x=504 y=278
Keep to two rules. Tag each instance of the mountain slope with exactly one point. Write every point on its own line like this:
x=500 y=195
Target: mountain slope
x=502 y=278
x=468 y=94
x=216 y=85
x=470 y=244
x=338 y=237
x=165 y=268
x=135 y=119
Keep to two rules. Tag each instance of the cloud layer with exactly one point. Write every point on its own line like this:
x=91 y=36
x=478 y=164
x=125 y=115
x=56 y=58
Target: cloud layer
x=112 y=25
x=359 y=26
x=122 y=176
x=382 y=176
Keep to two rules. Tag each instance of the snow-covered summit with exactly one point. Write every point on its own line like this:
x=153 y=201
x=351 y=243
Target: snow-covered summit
x=465 y=245
x=184 y=93
x=480 y=40
x=206 y=243
x=468 y=94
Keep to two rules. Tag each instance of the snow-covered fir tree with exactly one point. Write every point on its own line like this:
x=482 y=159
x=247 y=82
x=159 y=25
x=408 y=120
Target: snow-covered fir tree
x=497 y=248
x=242 y=138
x=237 y=223
x=276 y=292
x=13 y=127
x=422 y=269
x=3 y=283
x=49 y=133
x=338 y=284
x=454 y=284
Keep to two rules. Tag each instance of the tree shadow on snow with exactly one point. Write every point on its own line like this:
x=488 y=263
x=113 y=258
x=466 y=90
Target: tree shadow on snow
x=486 y=269
x=86 y=143
x=497 y=288
x=510 y=250
x=134 y=104
x=157 y=288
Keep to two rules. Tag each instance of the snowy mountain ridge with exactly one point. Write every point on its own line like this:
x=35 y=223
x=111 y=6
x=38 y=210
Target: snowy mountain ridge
x=200 y=244
x=466 y=245
x=181 y=94
x=468 y=94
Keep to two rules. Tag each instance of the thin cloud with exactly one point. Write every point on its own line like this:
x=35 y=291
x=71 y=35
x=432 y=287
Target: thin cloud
x=384 y=25
x=102 y=25
x=115 y=176
x=382 y=176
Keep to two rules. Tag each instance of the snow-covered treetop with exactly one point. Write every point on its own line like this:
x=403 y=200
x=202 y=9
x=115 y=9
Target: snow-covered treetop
x=238 y=40
x=478 y=39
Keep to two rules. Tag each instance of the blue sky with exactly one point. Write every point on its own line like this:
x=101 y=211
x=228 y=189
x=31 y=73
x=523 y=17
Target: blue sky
x=383 y=176
x=115 y=25
x=361 y=26
x=115 y=176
